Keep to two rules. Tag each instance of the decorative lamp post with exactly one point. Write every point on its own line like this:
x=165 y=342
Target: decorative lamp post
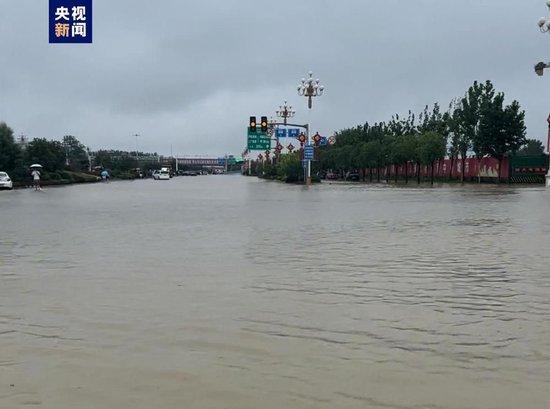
x=544 y=26
x=136 y=135
x=271 y=126
x=548 y=149
x=285 y=111
x=543 y=23
x=310 y=88
x=271 y=132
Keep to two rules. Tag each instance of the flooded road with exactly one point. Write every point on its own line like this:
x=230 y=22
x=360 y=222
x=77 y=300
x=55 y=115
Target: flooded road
x=230 y=292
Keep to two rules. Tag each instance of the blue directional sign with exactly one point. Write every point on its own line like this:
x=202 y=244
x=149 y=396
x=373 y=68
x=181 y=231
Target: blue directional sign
x=323 y=141
x=308 y=152
x=293 y=132
x=280 y=133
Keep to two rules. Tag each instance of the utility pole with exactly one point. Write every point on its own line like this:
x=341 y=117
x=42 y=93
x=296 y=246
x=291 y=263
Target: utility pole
x=136 y=135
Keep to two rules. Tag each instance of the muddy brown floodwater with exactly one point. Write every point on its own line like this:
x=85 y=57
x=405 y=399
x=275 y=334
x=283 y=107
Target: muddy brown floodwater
x=230 y=292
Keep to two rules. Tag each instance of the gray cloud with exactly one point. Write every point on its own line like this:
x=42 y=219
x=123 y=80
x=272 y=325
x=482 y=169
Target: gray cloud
x=189 y=73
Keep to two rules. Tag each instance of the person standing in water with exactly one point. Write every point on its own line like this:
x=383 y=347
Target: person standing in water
x=36 y=179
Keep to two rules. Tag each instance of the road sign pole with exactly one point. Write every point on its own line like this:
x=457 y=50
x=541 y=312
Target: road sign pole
x=308 y=180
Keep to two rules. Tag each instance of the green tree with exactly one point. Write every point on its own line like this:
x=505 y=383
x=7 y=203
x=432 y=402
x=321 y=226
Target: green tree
x=118 y=162
x=466 y=118
x=362 y=158
x=76 y=154
x=407 y=147
x=289 y=168
x=344 y=157
x=10 y=153
x=104 y=159
x=433 y=121
x=431 y=148
x=531 y=147
x=49 y=154
x=397 y=153
x=376 y=156
x=501 y=129
x=459 y=143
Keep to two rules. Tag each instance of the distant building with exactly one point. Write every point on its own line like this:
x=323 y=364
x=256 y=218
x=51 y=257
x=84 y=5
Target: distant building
x=199 y=161
x=22 y=141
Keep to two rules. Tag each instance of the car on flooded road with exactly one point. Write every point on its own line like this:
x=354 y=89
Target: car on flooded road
x=5 y=181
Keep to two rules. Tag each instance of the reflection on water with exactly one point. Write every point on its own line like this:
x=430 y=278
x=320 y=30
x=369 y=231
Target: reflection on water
x=231 y=292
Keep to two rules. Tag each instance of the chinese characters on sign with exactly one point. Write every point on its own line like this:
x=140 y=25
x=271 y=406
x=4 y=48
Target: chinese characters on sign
x=70 y=21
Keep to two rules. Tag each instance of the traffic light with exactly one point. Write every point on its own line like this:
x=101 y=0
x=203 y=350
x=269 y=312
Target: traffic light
x=252 y=124
x=264 y=124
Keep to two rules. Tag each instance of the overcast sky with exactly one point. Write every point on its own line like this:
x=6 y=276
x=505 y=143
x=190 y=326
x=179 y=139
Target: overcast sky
x=190 y=73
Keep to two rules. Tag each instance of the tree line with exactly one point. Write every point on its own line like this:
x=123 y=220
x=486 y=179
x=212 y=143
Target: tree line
x=479 y=123
x=62 y=159
x=65 y=155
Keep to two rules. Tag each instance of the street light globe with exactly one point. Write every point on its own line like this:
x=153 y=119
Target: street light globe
x=548 y=4
x=541 y=22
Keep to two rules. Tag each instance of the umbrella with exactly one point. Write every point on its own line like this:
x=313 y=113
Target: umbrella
x=36 y=165
x=104 y=173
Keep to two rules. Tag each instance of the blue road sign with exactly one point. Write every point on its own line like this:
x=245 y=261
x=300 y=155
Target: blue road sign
x=323 y=141
x=293 y=132
x=308 y=152
x=280 y=133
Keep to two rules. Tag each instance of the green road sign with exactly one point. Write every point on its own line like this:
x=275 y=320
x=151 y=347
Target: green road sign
x=258 y=141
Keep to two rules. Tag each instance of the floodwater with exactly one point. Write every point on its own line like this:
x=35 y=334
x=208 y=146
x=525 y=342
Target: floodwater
x=231 y=292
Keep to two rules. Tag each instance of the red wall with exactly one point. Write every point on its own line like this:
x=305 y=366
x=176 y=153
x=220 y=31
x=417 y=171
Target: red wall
x=486 y=168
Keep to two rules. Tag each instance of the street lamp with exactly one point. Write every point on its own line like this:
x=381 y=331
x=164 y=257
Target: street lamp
x=540 y=67
x=544 y=26
x=285 y=111
x=310 y=88
x=136 y=135
x=543 y=23
x=271 y=126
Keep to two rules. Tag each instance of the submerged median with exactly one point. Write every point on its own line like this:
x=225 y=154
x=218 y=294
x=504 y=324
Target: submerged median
x=61 y=177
